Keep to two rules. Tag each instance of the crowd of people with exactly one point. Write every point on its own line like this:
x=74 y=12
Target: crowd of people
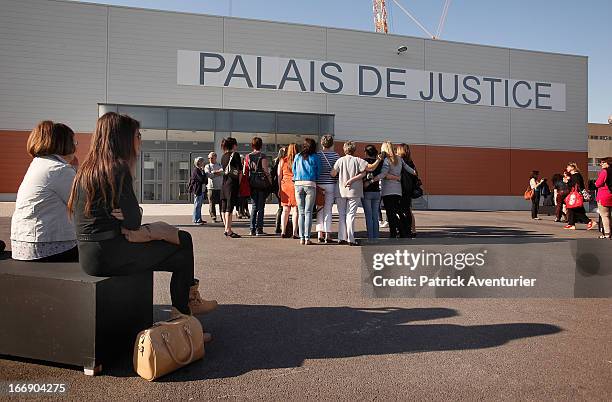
x=91 y=214
x=307 y=181
x=569 y=195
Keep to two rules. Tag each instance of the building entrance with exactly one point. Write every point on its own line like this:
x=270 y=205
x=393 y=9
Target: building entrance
x=173 y=137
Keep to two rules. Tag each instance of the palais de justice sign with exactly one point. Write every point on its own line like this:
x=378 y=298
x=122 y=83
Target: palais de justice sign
x=329 y=77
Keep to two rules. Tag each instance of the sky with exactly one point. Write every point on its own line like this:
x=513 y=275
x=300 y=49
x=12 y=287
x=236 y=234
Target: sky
x=561 y=26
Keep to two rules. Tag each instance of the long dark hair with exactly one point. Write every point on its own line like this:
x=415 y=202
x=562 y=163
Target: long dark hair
x=403 y=151
x=309 y=147
x=110 y=157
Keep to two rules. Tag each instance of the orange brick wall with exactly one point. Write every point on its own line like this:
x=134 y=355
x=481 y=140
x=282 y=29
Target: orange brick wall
x=444 y=170
x=15 y=159
x=449 y=170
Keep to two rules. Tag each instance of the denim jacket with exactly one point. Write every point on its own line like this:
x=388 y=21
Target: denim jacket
x=40 y=210
x=306 y=169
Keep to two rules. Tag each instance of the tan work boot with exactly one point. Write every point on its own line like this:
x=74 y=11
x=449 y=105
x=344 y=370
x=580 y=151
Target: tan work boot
x=197 y=305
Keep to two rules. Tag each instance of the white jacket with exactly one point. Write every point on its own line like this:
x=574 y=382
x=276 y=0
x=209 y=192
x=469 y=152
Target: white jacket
x=40 y=211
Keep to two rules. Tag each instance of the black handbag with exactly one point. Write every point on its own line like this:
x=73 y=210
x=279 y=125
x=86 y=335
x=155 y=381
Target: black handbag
x=417 y=190
x=258 y=180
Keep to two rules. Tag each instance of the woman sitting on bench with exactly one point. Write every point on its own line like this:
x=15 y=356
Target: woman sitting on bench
x=40 y=227
x=107 y=218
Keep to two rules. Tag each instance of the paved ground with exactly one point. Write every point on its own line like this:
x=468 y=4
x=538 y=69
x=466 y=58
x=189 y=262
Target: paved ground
x=294 y=325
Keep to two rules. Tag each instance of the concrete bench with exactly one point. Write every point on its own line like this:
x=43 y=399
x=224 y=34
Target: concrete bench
x=57 y=313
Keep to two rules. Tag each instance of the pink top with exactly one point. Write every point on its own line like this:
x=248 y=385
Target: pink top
x=603 y=192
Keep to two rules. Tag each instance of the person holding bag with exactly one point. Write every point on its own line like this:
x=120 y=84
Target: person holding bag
x=232 y=173
x=535 y=184
x=111 y=239
x=575 y=200
x=257 y=169
x=604 y=196
x=329 y=185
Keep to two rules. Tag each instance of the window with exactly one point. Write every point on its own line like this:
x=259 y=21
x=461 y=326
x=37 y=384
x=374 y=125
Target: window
x=149 y=117
x=188 y=139
x=293 y=123
x=103 y=109
x=258 y=122
x=191 y=119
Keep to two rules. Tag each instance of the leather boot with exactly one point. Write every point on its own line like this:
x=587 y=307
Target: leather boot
x=197 y=305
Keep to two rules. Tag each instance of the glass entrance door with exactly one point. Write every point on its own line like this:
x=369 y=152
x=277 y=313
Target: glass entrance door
x=179 y=169
x=152 y=177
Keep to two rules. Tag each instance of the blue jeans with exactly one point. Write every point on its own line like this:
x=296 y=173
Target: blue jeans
x=197 y=208
x=305 y=197
x=371 y=208
x=257 y=209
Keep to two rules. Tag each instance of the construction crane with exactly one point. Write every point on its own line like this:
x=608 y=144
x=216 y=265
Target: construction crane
x=380 y=17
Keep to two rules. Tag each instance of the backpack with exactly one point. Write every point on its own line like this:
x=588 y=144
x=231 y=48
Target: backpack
x=258 y=180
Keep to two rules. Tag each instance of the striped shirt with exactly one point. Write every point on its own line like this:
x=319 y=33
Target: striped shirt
x=326 y=168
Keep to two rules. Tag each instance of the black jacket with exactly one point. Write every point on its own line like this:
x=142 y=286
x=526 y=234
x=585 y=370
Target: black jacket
x=196 y=183
x=100 y=219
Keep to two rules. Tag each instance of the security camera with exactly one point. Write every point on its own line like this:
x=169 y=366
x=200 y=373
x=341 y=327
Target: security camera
x=402 y=49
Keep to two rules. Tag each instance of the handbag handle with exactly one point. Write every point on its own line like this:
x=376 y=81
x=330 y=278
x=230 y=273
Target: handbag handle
x=164 y=336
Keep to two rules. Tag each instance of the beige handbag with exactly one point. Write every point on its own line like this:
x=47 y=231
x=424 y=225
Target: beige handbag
x=168 y=346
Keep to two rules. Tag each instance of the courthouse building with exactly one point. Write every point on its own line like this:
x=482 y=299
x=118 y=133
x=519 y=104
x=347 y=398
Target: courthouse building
x=478 y=118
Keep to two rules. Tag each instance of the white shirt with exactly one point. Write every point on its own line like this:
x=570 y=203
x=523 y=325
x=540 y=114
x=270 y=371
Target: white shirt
x=41 y=213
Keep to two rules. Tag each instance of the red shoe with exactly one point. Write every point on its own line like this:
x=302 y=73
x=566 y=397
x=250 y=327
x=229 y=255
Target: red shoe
x=570 y=227
x=590 y=225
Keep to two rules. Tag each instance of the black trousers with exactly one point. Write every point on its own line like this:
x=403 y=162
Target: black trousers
x=535 y=205
x=119 y=257
x=397 y=220
x=71 y=255
x=577 y=215
x=406 y=208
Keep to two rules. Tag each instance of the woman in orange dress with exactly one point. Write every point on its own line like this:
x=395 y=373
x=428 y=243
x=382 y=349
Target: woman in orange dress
x=287 y=191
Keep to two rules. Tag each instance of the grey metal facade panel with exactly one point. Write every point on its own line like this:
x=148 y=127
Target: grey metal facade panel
x=467 y=59
x=361 y=119
x=373 y=48
x=273 y=39
x=53 y=63
x=142 y=56
x=261 y=99
x=537 y=129
x=467 y=125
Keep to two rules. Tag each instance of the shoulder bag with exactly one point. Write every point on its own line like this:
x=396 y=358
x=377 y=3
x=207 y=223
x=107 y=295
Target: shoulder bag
x=574 y=199
x=320 y=195
x=229 y=170
x=168 y=346
x=528 y=193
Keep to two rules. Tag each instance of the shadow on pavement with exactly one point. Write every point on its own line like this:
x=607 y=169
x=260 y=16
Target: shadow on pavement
x=258 y=337
x=489 y=234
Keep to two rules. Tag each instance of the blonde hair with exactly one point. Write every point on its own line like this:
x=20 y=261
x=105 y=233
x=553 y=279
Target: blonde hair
x=574 y=166
x=292 y=151
x=387 y=147
x=349 y=147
